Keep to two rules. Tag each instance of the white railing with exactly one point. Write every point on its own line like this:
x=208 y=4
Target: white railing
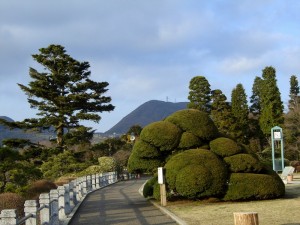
x=58 y=206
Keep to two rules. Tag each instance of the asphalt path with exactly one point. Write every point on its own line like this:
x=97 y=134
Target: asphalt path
x=120 y=203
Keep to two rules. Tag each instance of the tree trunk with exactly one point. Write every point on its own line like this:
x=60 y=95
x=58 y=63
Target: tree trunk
x=245 y=218
x=60 y=134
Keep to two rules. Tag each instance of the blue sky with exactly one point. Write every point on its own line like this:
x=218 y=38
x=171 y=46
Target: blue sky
x=150 y=49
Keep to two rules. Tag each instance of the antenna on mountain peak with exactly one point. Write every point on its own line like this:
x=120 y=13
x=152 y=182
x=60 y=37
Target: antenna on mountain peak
x=167 y=99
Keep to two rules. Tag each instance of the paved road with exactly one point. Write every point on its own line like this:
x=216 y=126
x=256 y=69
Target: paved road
x=119 y=203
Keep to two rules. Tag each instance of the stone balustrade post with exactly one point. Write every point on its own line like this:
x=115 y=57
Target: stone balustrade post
x=61 y=203
x=94 y=182
x=8 y=217
x=67 y=199
x=54 y=207
x=97 y=180
x=88 y=183
x=44 y=201
x=72 y=195
x=30 y=207
x=84 y=186
x=78 y=189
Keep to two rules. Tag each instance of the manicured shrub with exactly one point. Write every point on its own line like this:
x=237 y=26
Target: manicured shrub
x=12 y=201
x=145 y=150
x=224 y=147
x=137 y=164
x=249 y=186
x=179 y=171
x=197 y=122
x=189 y=140
x=156 y=191
x=244 y=163
x=107 y=164
x=38 y=187
x=163 y=135
x=148 y=187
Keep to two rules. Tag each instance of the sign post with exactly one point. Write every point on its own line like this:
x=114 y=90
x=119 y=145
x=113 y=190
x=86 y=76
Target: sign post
x=161 y=182
x=277 y=136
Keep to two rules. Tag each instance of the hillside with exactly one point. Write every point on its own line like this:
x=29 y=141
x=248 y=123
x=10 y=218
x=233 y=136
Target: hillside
x=146 y=113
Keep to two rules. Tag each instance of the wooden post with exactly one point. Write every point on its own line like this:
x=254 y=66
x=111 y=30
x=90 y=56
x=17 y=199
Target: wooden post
x=163 y=195
x=245 y=218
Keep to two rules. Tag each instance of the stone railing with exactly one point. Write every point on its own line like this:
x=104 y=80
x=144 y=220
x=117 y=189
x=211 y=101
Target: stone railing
x=58 y=206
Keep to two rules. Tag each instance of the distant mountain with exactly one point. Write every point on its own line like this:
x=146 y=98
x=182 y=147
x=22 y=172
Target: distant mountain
x=148 y=112
x=6 y=133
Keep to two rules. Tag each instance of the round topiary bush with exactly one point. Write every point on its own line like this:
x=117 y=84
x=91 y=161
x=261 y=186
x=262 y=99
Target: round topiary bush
x=250 y=186
x=137 y=164
x=145 y=150
x=162 y=134
x=224 y=147
x=197 y=122
x=245 y=163
x=148 y=187
x=38 y=187
x=189 y=140
x=180 y=174
x=12 y=201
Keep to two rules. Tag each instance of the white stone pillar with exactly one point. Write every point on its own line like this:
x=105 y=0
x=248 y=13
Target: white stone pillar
x=72 y=195
x=44 y=201
x=54 y=207
x=61 y=202
x=30 y=207
x=8 y=217
x=94 y=182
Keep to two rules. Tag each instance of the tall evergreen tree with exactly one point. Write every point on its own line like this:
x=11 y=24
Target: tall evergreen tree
x=270 y=101
x=240 y=112
x=200 y=94
x=292 y=122
x=63 y=93
x=255 y=97
x=221 y=112
x=294 y=93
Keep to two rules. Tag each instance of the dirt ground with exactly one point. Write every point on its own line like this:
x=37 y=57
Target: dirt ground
x=284 y=211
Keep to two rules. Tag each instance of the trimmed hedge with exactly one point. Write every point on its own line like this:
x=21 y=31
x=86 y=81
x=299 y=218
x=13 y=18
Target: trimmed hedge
x=245 y=163
x=179 y=170
x=189 y=140
x=162 y=134
x=249 y=186
x=145 y=150
x=197 y=122
x=137 y=164
x=148 y=187
x=224 y=147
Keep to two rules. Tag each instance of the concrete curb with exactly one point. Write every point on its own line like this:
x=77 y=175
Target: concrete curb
x=163 y=209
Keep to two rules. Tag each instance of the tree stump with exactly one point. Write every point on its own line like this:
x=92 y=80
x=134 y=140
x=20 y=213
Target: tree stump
x=245 y=218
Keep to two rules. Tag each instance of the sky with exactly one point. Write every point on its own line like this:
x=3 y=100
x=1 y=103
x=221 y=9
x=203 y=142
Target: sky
x=150 y=50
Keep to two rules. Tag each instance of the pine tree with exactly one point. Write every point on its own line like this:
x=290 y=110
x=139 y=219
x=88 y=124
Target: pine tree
x=240 y=112
x=270 y=102
x=63 y=93
x=200 y=94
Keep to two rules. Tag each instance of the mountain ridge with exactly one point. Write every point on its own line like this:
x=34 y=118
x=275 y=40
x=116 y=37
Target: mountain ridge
x=148 y=112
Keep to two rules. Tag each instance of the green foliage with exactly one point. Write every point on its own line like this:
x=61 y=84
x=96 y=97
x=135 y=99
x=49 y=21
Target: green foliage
x=240 y=112
x=195 y=122
x=156 y=191
x=189 y=140
x=149 y=186
x=60 y=165
x=270 y=101
x=179 y=171
x=107 y=164
x=221 y=112
x=63 y=93
x=244 y=163
x=249 y=186
x=145 y=150
x=137 y=164
x=162 y=134
x=199 y=94
x=224 y=147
